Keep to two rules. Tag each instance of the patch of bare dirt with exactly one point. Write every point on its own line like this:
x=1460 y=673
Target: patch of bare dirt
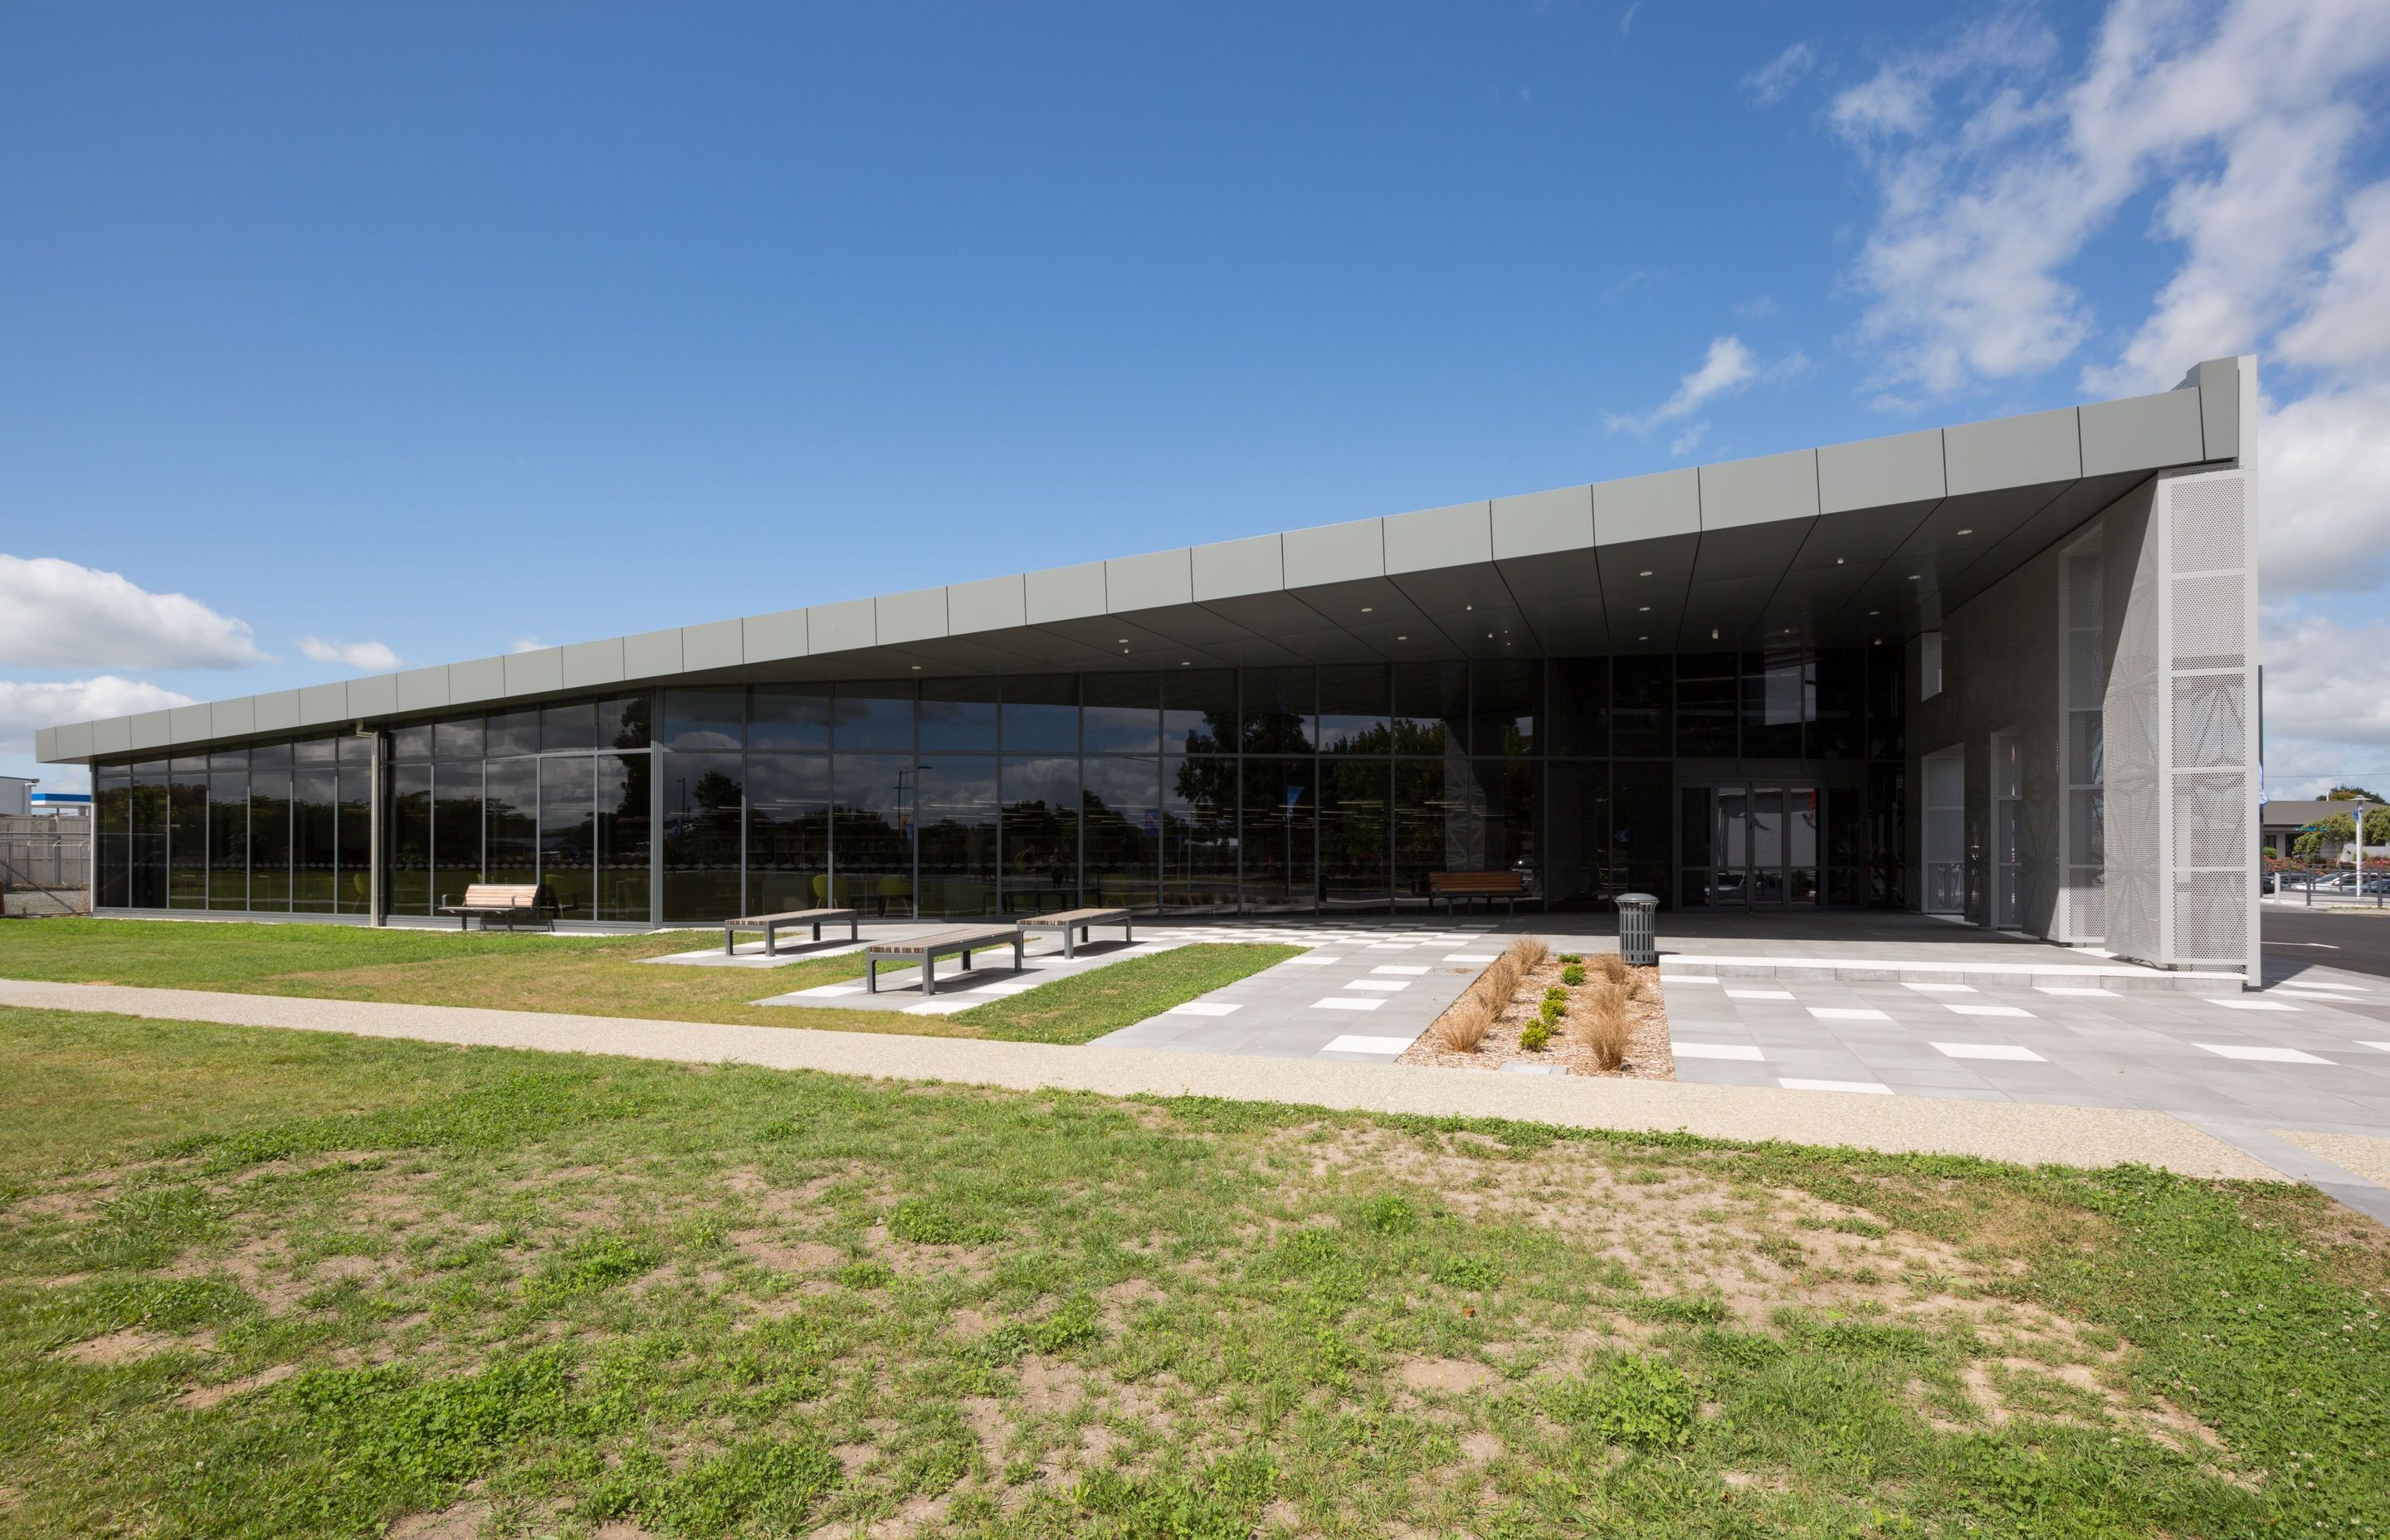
x=800 y=1256
x=203 y=1397
x=1443 y=1376
x=128 y=1346
x=1479 y=1448
x=461 y=1522
x=1648 y=1057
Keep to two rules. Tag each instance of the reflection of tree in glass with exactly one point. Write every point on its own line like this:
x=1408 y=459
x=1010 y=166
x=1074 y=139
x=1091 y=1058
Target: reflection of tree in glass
x=716 y=791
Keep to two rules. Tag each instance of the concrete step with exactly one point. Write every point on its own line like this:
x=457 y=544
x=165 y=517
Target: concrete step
x=2120 y=976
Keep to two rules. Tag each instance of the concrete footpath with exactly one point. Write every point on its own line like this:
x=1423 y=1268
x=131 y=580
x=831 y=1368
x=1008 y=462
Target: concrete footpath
x=2003 y=1131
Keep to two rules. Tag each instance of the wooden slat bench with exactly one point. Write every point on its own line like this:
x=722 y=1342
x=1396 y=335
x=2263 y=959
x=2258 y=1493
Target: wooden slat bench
x=1451 y=887
x=771 y=926
x=490 y=900
x=1074 y=924
x=927 y=949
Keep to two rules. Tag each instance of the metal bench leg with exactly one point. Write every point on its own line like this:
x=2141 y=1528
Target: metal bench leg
x=854 y=930
x=871 y=975
x=929 y=971
x=1070 y=941
x=1018 y=956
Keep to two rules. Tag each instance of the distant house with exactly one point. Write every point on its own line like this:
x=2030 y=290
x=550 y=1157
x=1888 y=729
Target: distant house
x=15 y=794
x=2281 y=823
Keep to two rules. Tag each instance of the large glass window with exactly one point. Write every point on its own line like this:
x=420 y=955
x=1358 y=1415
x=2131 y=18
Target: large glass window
x=269 y=836
x=794 y=717
x=1508 y=791
x=705 y=721
x=455 y=830
x=1041 y=714
x=704 y=813
x=623 y=724
x=315 y=853
x=568 y=724
x=461 y=740
x=1437 y=825
x=958 y=817
x=1280 y=703
x=1199 y=711
x=958 y=716
x=1276 y=834
x=228 y=836
x=152 y=814
x=511 y=828
x=1123 y=832
x=1779 y=695
x=513 y=733
x=872 y=802
x=1355 y=710
x=353 y=828
x=1199 y=834
x=1640 y=795
x=787 y=831
x=111 y=812
x=1709 y=690
x=1354 y=840
x=872 y=718
x=1576 y=845
x=1041 y=833
x=410 y=840
x=568 y=832
x=1837 y=732
x=1507 y=702
x=187 y=833
x=1640 y=719
x=1431 y=708
x=1580 y=707
x=1122 y=714
x=624 y=841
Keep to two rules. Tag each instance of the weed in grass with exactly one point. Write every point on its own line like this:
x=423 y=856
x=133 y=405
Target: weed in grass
x=1630 y=1398
x=926 y=1223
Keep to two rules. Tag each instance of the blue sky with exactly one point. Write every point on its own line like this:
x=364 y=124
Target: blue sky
x=419 y=333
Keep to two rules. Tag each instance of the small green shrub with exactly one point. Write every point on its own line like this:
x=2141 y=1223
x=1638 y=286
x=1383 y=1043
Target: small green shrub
x=1573 y=974
x=1389 y=1216
x=1552 y=1011
x=1629 y=1399
x=924 y=1223
x=1555 y=993
x=1462 y=1271
x=1572 y=957
x=1535 y=1037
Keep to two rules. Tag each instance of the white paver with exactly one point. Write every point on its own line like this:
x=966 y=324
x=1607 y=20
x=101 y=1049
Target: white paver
x=1847 y=1013
x=1383 y=986
x=1403 y=969
x=1991 y=1010
x=2263 y=1054
x=1352 y=1042
x=1471 y=957
x=1345 y=1002
x=1865 y=1087
x=1759 y=994
x=1745 y=1051
x=1200 y=1008
x=940 y=1007
x=1942 y=989
x=830 y=991
x=2077 y=990
x=2250 y=1004
x=1315 y=962
x=1992 y=1050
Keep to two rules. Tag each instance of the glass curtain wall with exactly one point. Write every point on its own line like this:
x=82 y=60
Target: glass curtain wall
x=1270 y=790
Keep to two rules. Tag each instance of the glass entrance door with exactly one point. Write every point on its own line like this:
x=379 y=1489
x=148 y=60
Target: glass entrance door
x=1750 y=847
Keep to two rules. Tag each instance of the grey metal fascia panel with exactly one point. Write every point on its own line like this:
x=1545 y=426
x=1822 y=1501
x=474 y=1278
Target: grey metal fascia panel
x=321 y=703
x=234 y=718
x=2142 y=433
x=847 y=627
x=1460 y=535
x=45 y=745
x=583 y=664
x=770 y=638
x=75 y=740
x=149 y=730
x=477 y=679
x=919 y=615
x=988 y=604
x=375 y=695
x=1155 y=581
x=1539 y=523
x=1905 y=468
x=535 y=672
x=1647 y=508
x=2219 y=407
x=1065 y=593
x=1232 y=568
x=1766 y=490
x=659 y=654
x=717 y=644
x=277 y=711
x=189 y=724
x=1335 y=553
x=423 y=690
x=2013 y=451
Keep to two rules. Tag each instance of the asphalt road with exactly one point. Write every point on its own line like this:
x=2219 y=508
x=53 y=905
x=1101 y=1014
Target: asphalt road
x=2358 y=939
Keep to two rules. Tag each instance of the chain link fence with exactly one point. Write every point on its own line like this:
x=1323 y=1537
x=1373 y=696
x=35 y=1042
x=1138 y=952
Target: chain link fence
x=44 y=864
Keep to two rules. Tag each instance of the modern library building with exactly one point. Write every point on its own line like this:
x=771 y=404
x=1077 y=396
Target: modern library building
x=2002 y=673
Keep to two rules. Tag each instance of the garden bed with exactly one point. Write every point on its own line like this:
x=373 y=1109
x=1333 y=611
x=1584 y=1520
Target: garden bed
x=1573 y=1044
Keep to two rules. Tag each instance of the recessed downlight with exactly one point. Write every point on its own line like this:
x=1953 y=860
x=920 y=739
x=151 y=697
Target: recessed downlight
x=1368 y=610
x=1966 y=532
x=1645 y=572
x=1643 y=610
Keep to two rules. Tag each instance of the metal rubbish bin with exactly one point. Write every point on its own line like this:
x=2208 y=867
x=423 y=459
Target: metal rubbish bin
x=1639 y=939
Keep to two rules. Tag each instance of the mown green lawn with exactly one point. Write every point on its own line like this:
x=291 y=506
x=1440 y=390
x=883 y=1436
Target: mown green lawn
x=272 y=1284
x=579 y=974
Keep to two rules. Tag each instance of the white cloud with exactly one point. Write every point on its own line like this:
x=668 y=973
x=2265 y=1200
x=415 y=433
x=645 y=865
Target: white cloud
x=525 y=644
x=62 y=615
x=1993 y=174
x=1759 y=307
x=2324 y=489
x=1728 y=367
x=24 y=707
x=371 y=657
x=2327 y=700
x=1627 y=22
x=1774 y=79
x=1689 y=439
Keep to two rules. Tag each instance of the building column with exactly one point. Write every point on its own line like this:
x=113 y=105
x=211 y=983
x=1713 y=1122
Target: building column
x=376 y=829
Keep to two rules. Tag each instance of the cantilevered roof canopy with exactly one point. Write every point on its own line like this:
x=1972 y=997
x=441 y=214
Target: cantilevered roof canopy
x=1829 y=546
